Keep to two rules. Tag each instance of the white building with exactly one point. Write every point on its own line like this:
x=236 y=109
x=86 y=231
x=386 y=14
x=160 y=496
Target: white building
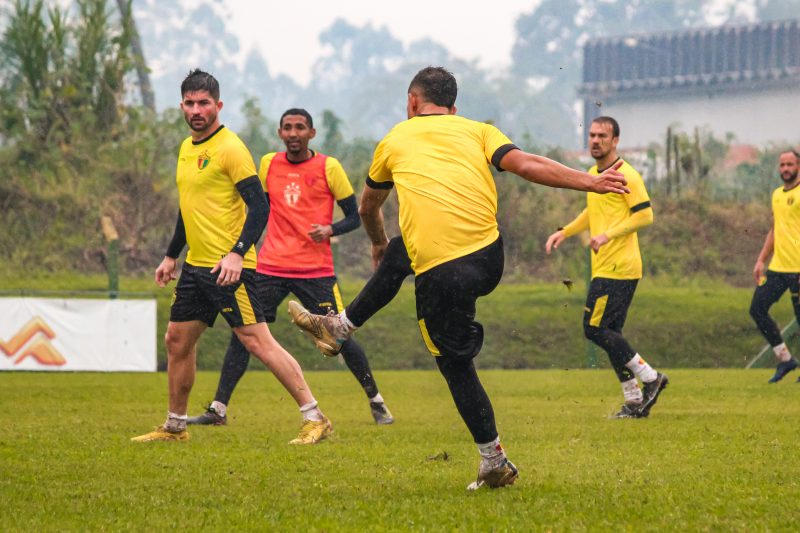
x=743 y=80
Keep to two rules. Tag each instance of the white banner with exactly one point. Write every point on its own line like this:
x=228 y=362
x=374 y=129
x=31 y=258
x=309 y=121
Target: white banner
x=79 y=334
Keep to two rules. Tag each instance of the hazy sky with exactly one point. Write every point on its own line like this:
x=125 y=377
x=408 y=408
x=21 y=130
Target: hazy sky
x=287 y=32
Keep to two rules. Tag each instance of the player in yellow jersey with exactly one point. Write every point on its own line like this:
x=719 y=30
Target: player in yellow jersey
x=439 y=163
x=612 y=221
x=301 y=186
x=783 y=244
x=222 y=213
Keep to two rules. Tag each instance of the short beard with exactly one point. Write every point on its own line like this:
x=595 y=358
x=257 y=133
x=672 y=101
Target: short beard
x=791 y=178
x=205 y=126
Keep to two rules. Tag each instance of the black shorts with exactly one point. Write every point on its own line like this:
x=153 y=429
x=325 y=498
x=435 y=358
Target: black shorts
x=446 y=296
x=608 y=301
x=318 y=295
x=198 y=297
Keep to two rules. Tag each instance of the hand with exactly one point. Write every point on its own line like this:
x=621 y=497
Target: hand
x=165 y=272
x=553 y=241
x=598 y=241
x=378 y=250
x=758 y=271
x=320 y=232
x=230 y=268
x=611 y=180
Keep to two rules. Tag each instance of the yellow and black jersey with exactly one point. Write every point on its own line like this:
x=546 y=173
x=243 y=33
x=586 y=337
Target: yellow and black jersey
x=447 y=195
x=212 y=208
x=786 y=230
x=619 y=258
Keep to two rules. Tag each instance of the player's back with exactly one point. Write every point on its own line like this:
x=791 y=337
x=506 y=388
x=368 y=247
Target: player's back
x=448 y=199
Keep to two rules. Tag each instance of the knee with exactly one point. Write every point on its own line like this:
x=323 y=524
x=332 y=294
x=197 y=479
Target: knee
x=757 y=310
x=591 y=332
x=258 y=340
x=175 y=343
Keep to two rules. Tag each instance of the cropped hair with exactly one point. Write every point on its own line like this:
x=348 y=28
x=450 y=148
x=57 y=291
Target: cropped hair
x=297 y=111
x=437 y=85
x=198 y=80
x=792 y=151
x=609 y=120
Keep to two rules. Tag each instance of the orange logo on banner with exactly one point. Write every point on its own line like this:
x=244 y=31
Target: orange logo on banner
x=40 y=349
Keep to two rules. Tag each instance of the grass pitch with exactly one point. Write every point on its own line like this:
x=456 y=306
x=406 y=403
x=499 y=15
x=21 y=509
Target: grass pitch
x=719 y=452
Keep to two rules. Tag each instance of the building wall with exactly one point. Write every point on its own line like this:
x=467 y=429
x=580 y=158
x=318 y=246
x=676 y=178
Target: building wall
x=754 y=117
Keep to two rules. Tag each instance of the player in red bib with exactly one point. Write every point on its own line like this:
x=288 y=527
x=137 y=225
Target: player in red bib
x=301 y=186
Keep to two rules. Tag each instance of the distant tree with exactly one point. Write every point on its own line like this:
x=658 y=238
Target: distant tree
x=142 y=72
x=62 y=75
x=332 y=138
x=258 y=133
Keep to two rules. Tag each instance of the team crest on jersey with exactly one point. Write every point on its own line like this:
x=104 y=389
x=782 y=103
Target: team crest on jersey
x=790 y=200
x=203 y=159
x=291 y=194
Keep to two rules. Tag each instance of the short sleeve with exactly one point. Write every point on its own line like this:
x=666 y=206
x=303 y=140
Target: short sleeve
x=379 y=170
x=493 y=140
x=237 y=162
x=263 y=168
x=638 y=198
x=337 y=179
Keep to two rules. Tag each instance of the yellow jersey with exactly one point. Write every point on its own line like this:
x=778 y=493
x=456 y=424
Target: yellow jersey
x=786 y=230
x=212 y=209
x=620 y=257
x=447 y=194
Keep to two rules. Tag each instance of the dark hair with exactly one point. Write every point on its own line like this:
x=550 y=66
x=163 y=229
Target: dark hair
x=609 y=120
x=437 y=85
x=198 y=80
x=297 y=111
x=791 y=151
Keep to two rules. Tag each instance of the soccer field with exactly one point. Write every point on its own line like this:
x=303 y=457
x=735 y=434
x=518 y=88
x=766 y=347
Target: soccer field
x=719 y=452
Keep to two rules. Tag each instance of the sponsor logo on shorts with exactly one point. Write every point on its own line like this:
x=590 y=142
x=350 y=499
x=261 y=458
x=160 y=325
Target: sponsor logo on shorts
x=33 y=340
x=227 y=309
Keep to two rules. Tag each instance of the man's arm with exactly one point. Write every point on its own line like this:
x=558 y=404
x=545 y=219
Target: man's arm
x=544 y=171
x=579 y=224
x=763 y=255
x=350 y=221
x=372 y=199
x=230 y=266
x=165 y=272
x=637 y=220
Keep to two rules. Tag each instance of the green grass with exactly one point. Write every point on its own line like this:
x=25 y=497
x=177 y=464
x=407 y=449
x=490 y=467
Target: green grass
x=691 y=323
x=719 y=453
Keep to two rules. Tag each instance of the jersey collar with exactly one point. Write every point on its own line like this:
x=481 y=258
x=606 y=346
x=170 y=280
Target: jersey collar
x=201 y=141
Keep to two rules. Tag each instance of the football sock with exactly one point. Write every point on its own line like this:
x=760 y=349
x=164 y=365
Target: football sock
x=218 y=407
x=492 y=452
x=356 y=361
x=641 y=369
x=631 y=391
x=234 y=367
x=175 y=423
x=782 y=352
x=346 y=321
x=310 y=411
x=377 y=398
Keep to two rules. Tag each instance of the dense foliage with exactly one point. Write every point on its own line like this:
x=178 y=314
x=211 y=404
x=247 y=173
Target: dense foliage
x=77 y=144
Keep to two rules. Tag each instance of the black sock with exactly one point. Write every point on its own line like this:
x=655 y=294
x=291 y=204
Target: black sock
x=356 y=361
x=233 y=368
